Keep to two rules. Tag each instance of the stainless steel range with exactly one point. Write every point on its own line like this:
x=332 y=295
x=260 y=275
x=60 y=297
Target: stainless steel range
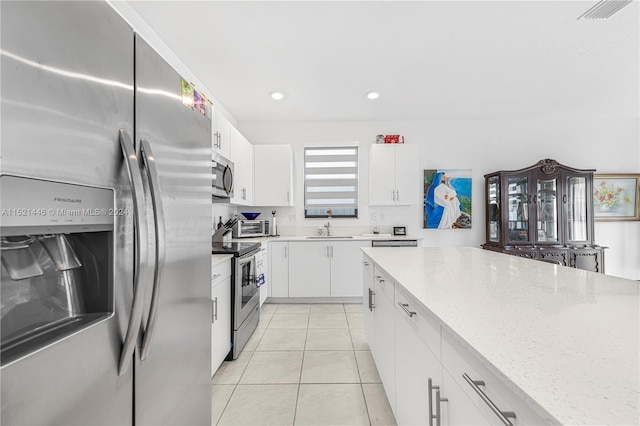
x=245 y=294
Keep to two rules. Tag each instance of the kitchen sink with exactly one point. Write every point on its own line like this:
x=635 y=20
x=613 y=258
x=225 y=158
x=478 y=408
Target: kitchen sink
x=324 y=237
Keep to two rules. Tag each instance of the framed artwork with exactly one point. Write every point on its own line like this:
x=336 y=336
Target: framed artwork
x=447 y=199
x=616 y=197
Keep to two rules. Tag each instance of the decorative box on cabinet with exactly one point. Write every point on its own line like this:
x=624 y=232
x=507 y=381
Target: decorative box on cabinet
x=543 y=212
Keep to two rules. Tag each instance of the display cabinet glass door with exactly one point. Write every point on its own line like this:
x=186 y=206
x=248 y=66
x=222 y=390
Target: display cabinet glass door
x=518 y=208
x=547 y=211
x=493 y=197
x=577 y=207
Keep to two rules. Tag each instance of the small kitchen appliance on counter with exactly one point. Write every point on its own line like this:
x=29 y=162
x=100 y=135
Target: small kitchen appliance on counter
x=251 y=228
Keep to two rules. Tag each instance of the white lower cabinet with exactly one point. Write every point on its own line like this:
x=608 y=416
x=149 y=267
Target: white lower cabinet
x=325 y=268
x=264 y=288
x=279 y=269
x=309 y=269
x=384 y=352
x=458 y=362
x=220 y=313
x=458 y=409
x=416 y=367
x=346 y=275
x=423 y=367
x=368 y=300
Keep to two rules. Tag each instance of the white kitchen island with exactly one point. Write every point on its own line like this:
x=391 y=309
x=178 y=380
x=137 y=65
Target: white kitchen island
x=560 y=345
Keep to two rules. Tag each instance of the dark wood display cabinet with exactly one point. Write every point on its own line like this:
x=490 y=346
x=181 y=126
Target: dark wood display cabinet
x=543 y=212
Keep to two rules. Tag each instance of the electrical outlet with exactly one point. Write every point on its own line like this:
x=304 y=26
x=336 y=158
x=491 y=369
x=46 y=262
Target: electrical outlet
x=382 y=217
x=374 y=217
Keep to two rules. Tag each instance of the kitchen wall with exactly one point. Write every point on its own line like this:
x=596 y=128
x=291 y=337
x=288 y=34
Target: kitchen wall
x=481 y=145
x=610 y=146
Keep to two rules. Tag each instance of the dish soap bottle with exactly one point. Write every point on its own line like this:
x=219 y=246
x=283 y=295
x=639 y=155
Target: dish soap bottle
x=219 y=223
x=273 y=226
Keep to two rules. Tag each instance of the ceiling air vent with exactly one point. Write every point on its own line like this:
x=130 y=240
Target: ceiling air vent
x=604 y=9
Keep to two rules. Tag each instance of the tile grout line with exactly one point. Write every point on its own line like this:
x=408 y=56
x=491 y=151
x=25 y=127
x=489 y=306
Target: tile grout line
x=227 y=404
x=364 y=396
x=304 y=351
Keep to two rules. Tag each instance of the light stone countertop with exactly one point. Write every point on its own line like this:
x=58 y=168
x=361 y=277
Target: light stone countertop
x=566 y=338
x=385 y=237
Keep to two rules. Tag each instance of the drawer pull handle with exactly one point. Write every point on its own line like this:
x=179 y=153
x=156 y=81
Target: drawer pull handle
x=437 y=416
x=379 y=277
x=371 y=294
x=365 y=263
x=215 y=276
x=504 y=416
x=405 y=307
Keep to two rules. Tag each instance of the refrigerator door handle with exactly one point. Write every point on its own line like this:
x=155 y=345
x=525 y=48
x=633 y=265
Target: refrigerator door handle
x=159 y=224
x=140 y=278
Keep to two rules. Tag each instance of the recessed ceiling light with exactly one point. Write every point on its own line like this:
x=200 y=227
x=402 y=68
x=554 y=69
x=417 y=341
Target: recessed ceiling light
x=277 y=95
x=373 y=94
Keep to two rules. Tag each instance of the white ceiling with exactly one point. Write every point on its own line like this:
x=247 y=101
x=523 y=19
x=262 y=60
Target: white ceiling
x=429 y=59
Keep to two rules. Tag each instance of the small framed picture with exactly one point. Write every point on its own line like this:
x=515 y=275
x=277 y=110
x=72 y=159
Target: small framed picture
x=400 y=230
x=616 y=197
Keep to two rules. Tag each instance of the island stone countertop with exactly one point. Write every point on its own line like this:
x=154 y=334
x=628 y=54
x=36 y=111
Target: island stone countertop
x=364 y=237
x=565 y=338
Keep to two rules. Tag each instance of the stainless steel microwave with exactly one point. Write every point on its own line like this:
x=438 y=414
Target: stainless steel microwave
x=251 y=228
x=222 y=177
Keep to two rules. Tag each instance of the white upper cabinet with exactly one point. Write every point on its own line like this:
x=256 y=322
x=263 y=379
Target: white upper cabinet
x=394 y=177
x=220 y=133
x=273 y=169
x=241 y=153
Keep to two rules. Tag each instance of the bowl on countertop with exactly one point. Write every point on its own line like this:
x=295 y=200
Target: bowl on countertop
x=249 y=215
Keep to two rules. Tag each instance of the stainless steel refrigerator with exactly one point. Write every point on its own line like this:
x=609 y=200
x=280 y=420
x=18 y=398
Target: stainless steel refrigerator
x=105 y=191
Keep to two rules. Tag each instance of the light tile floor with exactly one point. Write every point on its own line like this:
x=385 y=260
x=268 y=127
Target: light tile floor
x=304 y=365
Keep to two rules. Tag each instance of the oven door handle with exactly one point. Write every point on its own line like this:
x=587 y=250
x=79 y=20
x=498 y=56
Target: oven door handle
x=160 y=246
x=140 y=275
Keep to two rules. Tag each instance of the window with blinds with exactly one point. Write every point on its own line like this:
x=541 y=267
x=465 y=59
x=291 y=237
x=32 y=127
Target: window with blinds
x=331 y=182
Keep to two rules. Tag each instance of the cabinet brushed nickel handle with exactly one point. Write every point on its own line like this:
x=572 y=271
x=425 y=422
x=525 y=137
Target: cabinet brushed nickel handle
x=365 y=263
x=215 y=276
x=431 y=416
x=397 y=195
x=564 y=198
x=371 y=294
x=215 y=312
x=405 y=307
x=437 y=416
x=504 y=416
x=285 y=252
x=380 y=280
x=439 y=401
